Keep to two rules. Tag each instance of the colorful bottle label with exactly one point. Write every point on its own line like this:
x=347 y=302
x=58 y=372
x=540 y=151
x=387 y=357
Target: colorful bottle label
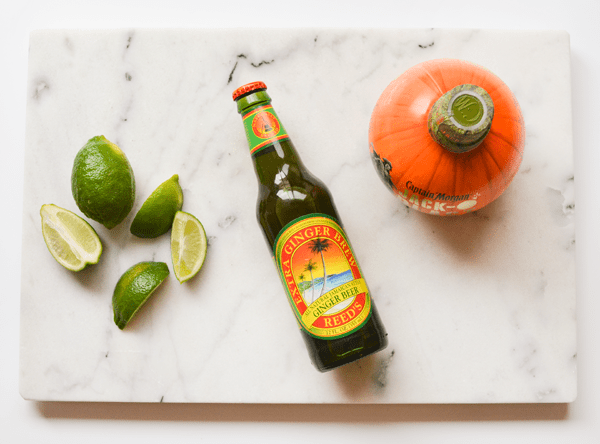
x=321 y=276
x=263 y=127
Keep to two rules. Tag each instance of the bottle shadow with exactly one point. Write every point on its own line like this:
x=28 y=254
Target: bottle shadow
x=365 y=380
x=356 y=379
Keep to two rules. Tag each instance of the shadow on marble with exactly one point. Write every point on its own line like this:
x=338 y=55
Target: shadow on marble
x=469 y=236
x=299 y=413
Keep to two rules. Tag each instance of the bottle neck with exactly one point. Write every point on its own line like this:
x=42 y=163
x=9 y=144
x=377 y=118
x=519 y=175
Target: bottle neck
x=270 y=146
x=248 y=102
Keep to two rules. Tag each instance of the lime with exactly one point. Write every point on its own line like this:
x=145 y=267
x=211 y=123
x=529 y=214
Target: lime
x=188 y=246
x=158 y=211
x=102 y=182
x=70 y=239
x=134 y=288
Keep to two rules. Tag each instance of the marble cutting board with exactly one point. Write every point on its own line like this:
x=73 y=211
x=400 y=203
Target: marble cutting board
x=479 y=308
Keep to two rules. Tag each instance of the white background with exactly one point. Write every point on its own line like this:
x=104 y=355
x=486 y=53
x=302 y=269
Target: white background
x=24 y=421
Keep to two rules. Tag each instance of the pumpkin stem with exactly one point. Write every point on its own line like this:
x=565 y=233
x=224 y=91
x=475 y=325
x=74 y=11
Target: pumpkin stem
x=461 y=118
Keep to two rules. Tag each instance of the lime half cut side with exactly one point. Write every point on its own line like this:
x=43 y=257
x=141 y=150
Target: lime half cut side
x=134 y=288
x=69 y=238
x=188 y=246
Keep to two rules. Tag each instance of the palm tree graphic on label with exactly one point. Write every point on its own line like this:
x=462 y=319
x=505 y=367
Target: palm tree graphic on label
x=318 y=246
x=310 y=266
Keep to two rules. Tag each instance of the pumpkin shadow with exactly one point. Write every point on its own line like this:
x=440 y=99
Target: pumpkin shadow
x=470 y=235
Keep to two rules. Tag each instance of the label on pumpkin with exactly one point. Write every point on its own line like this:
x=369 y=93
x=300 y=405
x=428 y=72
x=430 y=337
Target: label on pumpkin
x=436 y=202
x=423 y=199
x=323 y=281
x=263 y=127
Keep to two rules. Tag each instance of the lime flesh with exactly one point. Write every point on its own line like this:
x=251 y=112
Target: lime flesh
x=69 y=238
x=188 y=246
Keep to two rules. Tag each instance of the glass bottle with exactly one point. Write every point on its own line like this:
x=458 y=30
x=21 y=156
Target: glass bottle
x=325 y=287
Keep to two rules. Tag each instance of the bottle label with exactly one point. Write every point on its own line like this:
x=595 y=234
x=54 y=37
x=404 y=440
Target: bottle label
x=263 y=127
x=323 y=281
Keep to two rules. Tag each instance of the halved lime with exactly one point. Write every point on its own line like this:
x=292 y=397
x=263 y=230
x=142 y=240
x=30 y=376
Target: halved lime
x=188 y=246
x=155 y=217
x=134 y=288
x=69 y=238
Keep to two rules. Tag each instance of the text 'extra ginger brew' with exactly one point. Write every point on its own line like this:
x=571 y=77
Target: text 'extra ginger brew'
x=323 y=281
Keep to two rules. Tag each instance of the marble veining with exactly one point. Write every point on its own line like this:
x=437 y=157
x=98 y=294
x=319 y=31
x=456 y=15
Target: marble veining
x=479 y=308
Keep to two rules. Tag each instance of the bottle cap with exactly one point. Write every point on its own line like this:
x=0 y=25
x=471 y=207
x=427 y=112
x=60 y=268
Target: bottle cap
x=248 y=88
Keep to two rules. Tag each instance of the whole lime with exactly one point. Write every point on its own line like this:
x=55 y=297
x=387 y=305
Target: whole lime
x=102 y=182
x=156 y=215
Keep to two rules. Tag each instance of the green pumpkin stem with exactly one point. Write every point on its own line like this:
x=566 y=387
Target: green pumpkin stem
x=461 y=118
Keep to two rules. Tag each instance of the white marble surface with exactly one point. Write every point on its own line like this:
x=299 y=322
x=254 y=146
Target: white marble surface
x=479 y=309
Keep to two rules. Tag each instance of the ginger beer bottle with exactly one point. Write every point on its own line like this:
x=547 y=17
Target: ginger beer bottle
x=321 y=276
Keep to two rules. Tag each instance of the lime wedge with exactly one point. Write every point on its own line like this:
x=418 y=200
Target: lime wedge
x=188 y=246
x=134 y=288
x=155 y=217
x=70 y=239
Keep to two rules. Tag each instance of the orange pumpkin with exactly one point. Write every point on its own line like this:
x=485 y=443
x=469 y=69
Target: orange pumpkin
x=447 y=137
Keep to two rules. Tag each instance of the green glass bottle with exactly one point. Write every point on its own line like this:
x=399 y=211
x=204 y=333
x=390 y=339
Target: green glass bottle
x=325 y=287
